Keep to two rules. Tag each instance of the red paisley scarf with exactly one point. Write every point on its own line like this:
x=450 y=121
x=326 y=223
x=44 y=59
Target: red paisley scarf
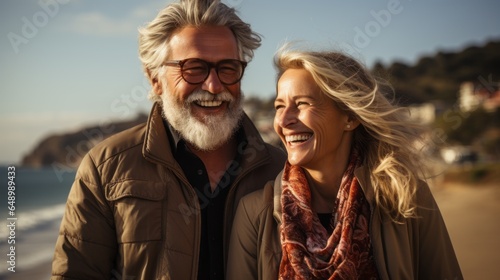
x=309 y=252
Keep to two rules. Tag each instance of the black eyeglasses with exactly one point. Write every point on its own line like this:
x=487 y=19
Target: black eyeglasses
x=195 y=71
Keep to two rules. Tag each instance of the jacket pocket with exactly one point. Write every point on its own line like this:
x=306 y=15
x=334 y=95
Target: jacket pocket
x=137 y=210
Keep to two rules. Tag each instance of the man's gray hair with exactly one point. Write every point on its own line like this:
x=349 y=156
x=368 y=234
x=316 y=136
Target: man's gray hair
x=154 y=38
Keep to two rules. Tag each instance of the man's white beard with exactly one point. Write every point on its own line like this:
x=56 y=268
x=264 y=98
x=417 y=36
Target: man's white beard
x=211 y=132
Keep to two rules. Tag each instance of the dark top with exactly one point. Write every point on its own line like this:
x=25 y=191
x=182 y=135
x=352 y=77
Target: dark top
x=211 y=258
x=326 y=221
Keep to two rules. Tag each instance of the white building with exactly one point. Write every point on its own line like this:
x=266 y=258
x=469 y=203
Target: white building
x=467 y=99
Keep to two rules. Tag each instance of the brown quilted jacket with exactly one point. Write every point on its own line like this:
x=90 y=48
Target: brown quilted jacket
x=132 y=214
x=420 y=248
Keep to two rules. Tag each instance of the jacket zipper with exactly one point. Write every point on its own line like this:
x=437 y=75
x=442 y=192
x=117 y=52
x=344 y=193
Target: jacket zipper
x=192 y=195
x=180 y=176
x=231 y=193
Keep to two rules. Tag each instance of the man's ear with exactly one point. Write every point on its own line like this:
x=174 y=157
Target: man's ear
x=155 y=83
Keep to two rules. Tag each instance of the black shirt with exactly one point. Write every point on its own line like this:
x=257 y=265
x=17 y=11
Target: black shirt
x=212 y=204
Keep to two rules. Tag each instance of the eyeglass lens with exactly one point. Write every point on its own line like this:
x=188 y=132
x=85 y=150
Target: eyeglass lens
x=196 y=70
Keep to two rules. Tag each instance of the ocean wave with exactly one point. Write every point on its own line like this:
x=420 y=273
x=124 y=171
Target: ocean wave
x=35 y=218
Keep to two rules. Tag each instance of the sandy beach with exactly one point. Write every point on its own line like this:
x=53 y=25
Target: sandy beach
x=471 y=214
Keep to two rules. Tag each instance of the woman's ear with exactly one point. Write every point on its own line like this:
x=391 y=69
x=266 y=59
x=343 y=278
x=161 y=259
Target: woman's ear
x=352 y=123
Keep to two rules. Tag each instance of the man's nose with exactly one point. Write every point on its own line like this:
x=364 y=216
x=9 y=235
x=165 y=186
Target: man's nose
x=212 y=84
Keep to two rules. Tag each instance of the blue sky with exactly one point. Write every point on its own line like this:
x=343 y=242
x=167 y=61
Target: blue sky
x=66 y=64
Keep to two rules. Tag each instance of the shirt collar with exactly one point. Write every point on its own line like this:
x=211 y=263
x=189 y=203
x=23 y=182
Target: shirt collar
x=173 y=135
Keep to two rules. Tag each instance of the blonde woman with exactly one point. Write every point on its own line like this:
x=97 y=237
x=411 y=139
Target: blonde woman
x=350 y=202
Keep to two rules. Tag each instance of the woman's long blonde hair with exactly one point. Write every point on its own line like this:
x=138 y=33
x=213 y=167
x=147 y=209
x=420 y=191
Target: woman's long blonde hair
x=385 y=137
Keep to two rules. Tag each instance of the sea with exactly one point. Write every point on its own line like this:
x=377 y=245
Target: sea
x=39 y=199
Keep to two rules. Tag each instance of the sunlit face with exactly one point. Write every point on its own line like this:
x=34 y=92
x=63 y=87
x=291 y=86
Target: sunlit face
x=313 y=129
x=205 y=114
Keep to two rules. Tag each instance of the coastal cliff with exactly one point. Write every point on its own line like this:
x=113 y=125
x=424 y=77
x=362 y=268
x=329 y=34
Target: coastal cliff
x=66 y=150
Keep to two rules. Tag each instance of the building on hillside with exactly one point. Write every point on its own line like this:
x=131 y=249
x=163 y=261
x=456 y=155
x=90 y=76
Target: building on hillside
x=485 y=94
x=424 y=113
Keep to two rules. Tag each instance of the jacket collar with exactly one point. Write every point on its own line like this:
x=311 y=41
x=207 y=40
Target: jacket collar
x=361 y=173
x=158 y=148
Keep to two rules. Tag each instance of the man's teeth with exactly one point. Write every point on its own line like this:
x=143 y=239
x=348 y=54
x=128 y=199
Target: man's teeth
x=208 y=103
x=298 y=137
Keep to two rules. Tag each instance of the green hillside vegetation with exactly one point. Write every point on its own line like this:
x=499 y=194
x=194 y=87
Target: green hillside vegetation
x=439 y=77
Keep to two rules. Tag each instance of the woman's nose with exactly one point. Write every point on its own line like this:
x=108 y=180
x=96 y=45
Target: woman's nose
x=286 y=116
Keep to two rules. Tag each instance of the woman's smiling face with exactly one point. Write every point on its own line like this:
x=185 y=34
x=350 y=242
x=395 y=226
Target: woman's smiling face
x=311 y=126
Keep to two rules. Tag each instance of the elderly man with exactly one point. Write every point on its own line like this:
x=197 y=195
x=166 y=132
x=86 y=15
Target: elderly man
x=157 y=201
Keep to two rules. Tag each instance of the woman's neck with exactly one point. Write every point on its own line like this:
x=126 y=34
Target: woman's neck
x=324 y=184
x=324 y=188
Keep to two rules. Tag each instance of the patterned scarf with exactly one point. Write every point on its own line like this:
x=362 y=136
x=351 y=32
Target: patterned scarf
x=309 y=252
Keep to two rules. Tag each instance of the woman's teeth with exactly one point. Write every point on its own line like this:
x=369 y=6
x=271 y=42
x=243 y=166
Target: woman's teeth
x=298 y=137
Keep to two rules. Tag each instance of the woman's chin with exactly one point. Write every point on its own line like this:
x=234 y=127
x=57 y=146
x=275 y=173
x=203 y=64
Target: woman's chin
x=298 y=159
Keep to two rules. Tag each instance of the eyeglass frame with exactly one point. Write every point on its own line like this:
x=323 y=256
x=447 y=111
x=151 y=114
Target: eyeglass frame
x=211 y=65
